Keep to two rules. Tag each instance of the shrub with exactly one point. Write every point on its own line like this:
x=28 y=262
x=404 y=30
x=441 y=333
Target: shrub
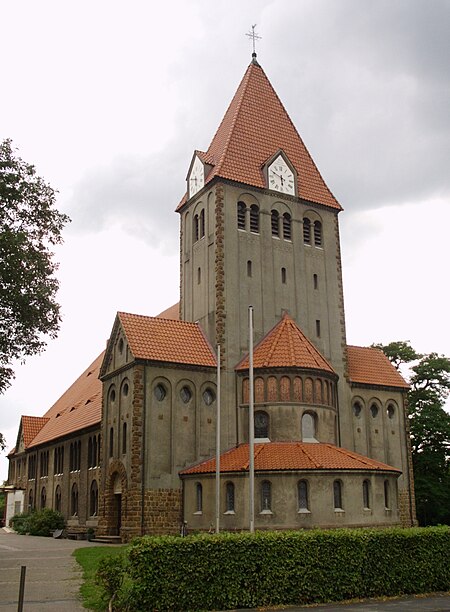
x=229 y=571
x=40 y=523
x=110 y=575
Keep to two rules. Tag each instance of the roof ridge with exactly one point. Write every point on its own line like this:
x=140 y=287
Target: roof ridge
x=310 y=457
x=277 y=336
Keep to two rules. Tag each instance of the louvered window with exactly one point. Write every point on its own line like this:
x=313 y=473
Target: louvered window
x=275 y=218
x=241 y=208
x=317 y=233
x=254 y=219
x=287 y=226
x=306 y=231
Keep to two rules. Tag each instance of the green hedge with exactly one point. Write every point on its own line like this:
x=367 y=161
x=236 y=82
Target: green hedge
x=228 y=571
x=38 y=523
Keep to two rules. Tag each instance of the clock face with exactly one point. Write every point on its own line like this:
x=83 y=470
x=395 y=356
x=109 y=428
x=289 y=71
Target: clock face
x=281 y=177
x=196 y=178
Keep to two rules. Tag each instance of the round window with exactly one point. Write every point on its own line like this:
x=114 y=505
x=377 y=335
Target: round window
x=208 y=396
x=374 y=410
x=160 y=392
x=185 y=395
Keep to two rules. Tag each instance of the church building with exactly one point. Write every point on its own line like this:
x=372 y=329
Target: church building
x=130 y=448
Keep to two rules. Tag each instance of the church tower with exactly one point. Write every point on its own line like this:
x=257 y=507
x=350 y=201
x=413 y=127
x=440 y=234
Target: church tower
x=259 y=227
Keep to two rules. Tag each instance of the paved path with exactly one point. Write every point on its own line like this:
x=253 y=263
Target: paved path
x=53 y=577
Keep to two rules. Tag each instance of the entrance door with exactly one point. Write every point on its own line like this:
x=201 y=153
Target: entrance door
x=118 y=512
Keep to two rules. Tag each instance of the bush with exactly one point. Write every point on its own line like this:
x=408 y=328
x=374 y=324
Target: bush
x=40 y=523
x=110 y=575
x=229 y=571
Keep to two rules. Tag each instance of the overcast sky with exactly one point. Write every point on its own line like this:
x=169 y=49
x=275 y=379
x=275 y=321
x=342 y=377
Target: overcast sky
x=109 y=100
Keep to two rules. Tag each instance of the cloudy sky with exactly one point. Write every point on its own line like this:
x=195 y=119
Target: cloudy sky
x=109 y=99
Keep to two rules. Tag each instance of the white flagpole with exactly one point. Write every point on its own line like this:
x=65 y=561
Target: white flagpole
x=251 y=431
x=218 y=443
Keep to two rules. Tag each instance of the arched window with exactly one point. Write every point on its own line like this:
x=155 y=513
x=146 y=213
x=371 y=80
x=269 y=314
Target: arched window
x=249 y=268
x=287 y=226
x=266 y=496
x=275 y=220
x=199 y=497
x=308 y=427
x=374 y=410
x=357 y=409
x=337 y=494
x=303 y=501
x=261 y=424
x=318 y=234
x=254 y=219
x=111 y=441
x=366 y=494
x=195 y=228
x=124 y=439
x=241 y=211
x=74 y=500
x=160 y=392
x=43 y=498
x=283 y=275
x=306 y=231
x=98 y=449
x=93 y=499
x=94 y=451
x=90 y=460
x=71 y=458
x=315 y=281
x=58 y=499
x=229 y=497
x=387 y=496
x=202 y=223
x=30 y=500
x=79 y=455
x=390 y=411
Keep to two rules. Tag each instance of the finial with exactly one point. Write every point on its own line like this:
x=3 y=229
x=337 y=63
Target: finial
x=254 y=36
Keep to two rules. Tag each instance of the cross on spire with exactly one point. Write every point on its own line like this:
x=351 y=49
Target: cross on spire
x=254 y=36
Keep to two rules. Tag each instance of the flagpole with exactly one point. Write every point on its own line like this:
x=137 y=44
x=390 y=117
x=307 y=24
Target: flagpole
x=251 y=431
x=218 y=443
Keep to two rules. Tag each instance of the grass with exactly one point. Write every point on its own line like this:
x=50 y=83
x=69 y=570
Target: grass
x=89 y=558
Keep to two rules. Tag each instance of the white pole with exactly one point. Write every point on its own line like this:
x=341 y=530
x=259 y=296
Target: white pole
x=251 y=430
x=218 y=444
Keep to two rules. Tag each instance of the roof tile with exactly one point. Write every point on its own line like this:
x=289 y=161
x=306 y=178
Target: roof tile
x=285 y=456
x=370 y=366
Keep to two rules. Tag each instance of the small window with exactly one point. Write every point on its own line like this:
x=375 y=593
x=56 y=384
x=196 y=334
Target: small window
x=209 y=396
x=315 y=281
x=30 y=500
x=390 y=411
x=159 y=392
x=317 y=233
x=357 y=409
x=229 y=497
x=241 y=209
x=125 y=389
x=124 y=439
x=318 y=328
x=287 y=226
x=337 y=494
x=58 y=499
x=185 y=394
x=112 y=396
x=111 y=441
x=261 y=424
x=199 y=497
x=199 y=276
x=120 y=347
x=387 y=496
x=306 y=231
x=266 y=496
x=249 y=268
x=93 y=499
x=254 y=219
x=43 y=498
x=366 y=495
x=303 y=501
x=308 y=427
x=74 y=500
x=283 y=275
x=275 y=220
x=202 y=223
x=196 y=228
x=374 y=410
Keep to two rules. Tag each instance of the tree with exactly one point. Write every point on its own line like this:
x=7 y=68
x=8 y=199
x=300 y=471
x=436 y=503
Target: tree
x=29 y=226
x=430 y=428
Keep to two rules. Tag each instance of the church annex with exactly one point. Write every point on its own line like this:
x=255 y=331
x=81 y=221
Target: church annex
x=130 y=448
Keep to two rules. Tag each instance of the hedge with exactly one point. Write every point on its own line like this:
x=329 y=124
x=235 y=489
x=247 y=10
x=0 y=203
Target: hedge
x=229 y=571
x=38 y=523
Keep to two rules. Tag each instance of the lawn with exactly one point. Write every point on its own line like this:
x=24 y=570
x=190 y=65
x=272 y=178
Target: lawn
x=89 y=559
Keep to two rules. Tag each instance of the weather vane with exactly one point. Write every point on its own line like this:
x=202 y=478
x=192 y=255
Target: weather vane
x=254 y=36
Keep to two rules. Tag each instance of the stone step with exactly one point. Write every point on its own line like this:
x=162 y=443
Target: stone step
x=106 y=539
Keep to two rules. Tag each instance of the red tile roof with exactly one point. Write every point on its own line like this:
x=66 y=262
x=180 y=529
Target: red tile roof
x=287 y=456
x=167 y=340
x=286 y=346
x=79 y=407
x=31 y=426
x=370 y=366
x=254 y=128
x=173 y=312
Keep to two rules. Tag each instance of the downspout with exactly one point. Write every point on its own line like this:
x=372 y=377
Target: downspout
x=144 y=402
